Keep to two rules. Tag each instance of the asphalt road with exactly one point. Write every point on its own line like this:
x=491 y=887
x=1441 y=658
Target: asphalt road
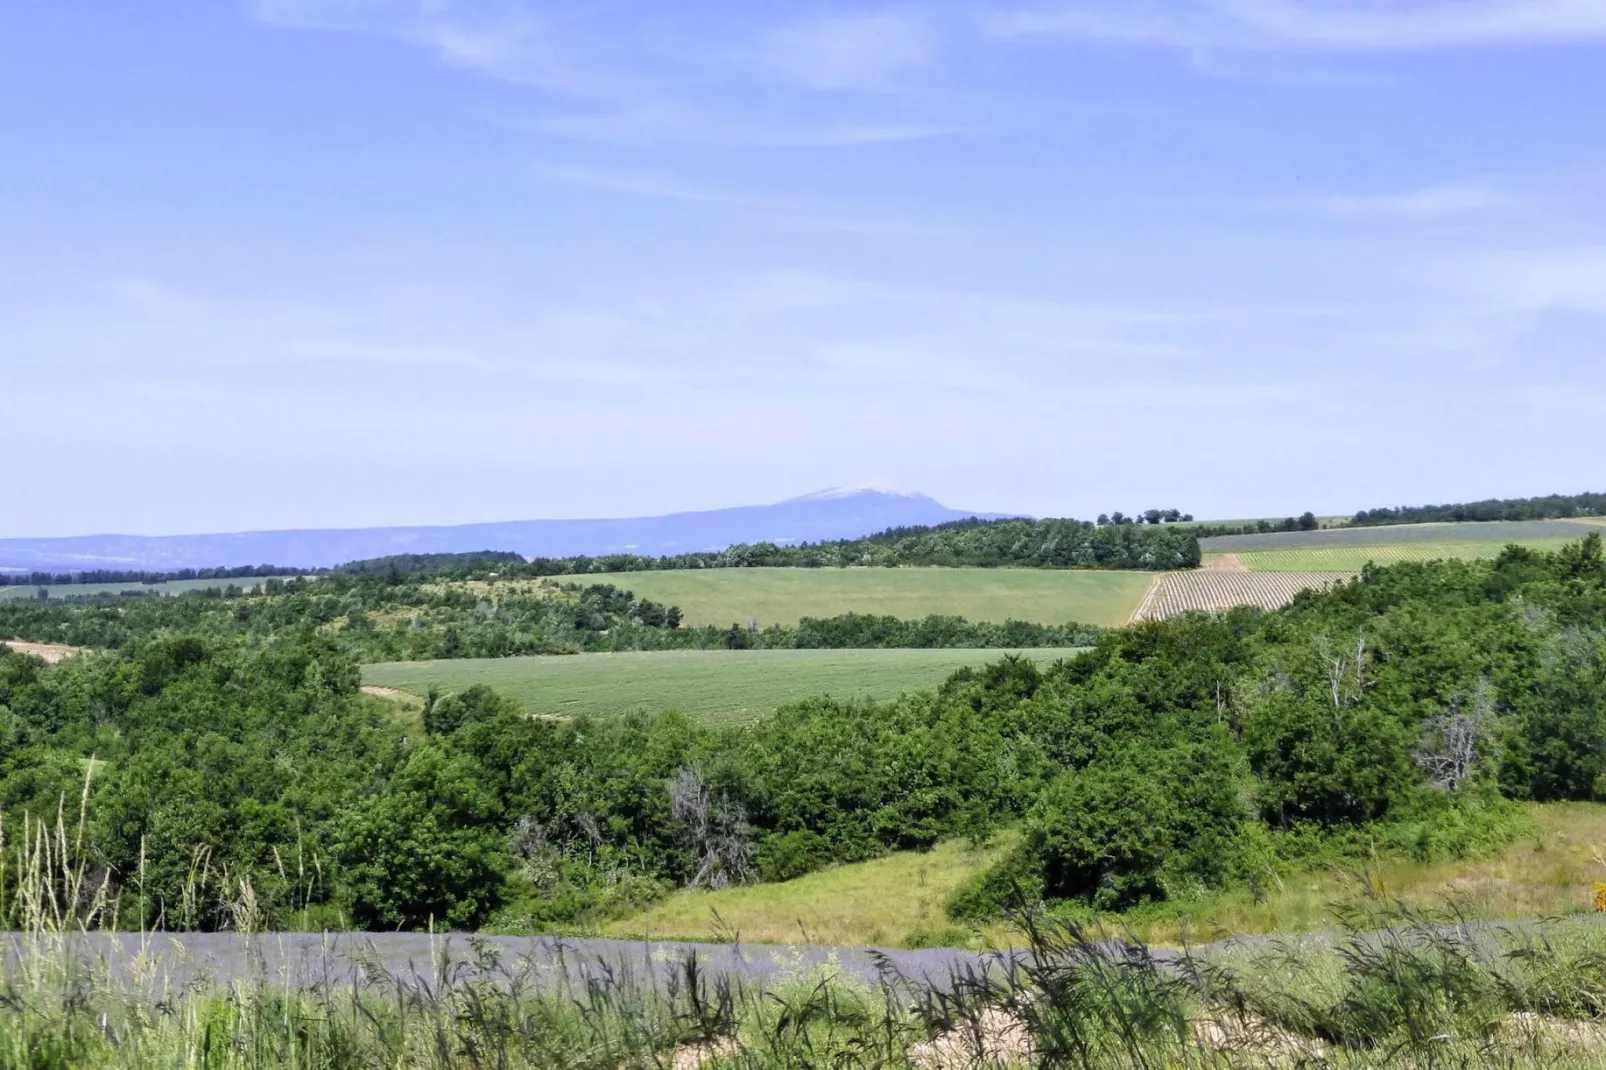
x=166 y=962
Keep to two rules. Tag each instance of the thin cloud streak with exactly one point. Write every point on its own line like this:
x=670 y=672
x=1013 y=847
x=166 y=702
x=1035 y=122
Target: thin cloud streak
x=506 y=43
x=646 y=91
x=1434 y=202
x=851 y=52
x=1289 y=25
x=783 y=212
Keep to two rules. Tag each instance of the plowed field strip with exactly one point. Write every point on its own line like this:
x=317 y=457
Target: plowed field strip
x=1214 y=590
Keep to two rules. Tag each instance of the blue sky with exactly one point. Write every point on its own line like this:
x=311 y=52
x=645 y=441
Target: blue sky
x=343 y=262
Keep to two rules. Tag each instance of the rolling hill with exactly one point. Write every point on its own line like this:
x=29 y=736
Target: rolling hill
x=838 y=514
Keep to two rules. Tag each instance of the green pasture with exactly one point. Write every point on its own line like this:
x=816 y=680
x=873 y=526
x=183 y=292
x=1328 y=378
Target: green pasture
x=711 y=686
x=784 y=595
x=87 y=590
x=1354 y=558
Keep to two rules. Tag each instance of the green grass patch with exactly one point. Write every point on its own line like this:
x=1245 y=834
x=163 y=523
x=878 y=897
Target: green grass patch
x=784 y=595
x=893 y=901
x=711 y=686
x=1549 y=871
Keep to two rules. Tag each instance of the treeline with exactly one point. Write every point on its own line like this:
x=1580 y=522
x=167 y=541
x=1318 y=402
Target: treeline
x=1306 y=521
x=239 y=572
x=1551 y=507
x=1148 y=516
x=961 y=543
x=398 y=567
x=1120 y=543
x=1400 y=713
x=372 y=617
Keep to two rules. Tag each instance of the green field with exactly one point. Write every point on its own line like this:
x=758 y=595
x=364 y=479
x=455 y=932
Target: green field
x=783 y=595
x=1354 y=558
x=86 y=590
x=712 y=686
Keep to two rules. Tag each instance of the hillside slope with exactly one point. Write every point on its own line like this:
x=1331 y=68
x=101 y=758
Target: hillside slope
x=811 y=518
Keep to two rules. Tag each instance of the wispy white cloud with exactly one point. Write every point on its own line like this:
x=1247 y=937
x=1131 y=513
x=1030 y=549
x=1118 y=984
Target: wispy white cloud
x=862 y=51
x=664 y=122
x=508 y=42
x=634 y=183
x=1434 y=202
x=781 y=212
x=650 y=84
x=1532 y=281
x=1310 y=25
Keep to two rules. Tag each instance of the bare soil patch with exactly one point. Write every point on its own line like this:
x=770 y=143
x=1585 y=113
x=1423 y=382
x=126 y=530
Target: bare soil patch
x=51 y=652
x=1224 y=563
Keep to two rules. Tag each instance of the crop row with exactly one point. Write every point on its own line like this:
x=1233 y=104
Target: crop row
x=1210 y=591
x=1354 y=558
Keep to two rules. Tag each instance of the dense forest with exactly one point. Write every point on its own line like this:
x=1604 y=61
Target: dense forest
x=383 y=616
x=1401 y=711
x=1550 y=507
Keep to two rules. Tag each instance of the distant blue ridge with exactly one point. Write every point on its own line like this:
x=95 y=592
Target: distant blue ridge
x=846 y=514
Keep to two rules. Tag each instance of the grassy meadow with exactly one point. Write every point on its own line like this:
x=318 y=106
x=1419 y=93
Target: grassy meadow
x=1548 y=872
x=881 y=903
x=784 y=595
x=711 y=686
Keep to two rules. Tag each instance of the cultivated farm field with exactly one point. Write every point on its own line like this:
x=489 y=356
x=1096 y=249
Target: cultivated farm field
x=785 y=595
x=710 y=686
x=1212 y=590
x=1355 y=558
x=86 y=590
x=1498 y=533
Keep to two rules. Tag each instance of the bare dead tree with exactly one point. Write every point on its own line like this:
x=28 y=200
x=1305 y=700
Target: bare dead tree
x=1451 y=741
x=715 y=829
x=1346 y=672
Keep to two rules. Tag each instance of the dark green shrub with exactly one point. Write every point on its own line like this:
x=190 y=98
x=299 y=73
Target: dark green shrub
x=1334 y=765
x=788 y=855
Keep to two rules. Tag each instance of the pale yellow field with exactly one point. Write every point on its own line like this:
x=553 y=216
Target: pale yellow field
x=784 y=595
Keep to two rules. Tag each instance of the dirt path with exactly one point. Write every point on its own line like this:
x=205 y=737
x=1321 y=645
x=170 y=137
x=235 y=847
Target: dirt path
x=1156 y=585
x=51 y=652
x=383 y=692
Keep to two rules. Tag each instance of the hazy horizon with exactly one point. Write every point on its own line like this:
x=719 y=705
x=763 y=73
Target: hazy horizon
x=289 y=264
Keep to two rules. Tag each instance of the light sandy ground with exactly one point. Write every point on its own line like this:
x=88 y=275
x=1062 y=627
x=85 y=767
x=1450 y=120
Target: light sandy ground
x=1224 y=563
x=51 y=652
x=383 y=692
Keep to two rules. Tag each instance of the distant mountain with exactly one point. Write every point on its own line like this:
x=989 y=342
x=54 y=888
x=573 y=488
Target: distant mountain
x=835 y=514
